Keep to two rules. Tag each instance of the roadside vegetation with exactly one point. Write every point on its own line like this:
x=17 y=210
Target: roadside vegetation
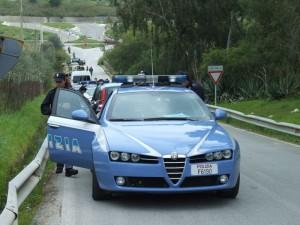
x=284 y=110
x=60 y=25
x=23 y=126
x=58 y=8
x=14 y=32
x=256 y=41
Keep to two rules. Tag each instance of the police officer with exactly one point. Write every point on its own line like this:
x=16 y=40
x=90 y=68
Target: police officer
x=46 y=109
x=195 y=86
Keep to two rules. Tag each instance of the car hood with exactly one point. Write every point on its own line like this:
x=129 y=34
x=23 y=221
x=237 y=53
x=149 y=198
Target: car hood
x=164 y=137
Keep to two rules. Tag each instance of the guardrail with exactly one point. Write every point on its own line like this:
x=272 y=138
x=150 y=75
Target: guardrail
x=22 y=185
x=287 y=128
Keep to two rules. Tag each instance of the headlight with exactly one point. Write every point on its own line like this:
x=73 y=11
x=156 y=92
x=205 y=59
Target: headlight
x=209 y=156
x=218 y=155
x=114 y=156
x=227 y=154
x=125 y=156
x=135 y=157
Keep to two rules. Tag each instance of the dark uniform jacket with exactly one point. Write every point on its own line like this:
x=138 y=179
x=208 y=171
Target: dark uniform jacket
x=46 y=106
x=198 y=89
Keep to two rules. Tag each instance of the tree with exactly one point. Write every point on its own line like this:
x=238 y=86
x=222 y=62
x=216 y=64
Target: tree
x=55 y=3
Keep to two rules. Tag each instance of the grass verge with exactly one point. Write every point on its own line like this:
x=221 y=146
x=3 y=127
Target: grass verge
x=60 y=25
x=263 y=131
x=20 y=132
x=284 y=110
x=30 y=206
x=84 y=39
x=14 y=32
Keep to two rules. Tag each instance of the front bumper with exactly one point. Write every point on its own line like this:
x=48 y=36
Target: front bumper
x=153 y=178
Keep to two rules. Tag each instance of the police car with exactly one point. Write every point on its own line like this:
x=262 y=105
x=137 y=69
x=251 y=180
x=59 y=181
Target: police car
x=149 y=138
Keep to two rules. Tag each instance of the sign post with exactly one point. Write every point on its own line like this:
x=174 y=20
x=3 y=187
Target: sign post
x=216 y=73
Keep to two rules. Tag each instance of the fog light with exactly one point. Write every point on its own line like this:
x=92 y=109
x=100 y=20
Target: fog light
x=218 y=155
x=125 y=156
x=114 y=155
x=135 y=157
x=120 y=181
x=223 y=179
x=209 y=156
x=227 y=154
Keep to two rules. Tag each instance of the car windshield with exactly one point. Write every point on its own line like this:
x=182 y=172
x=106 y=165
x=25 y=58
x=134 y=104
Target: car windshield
x=158 y=105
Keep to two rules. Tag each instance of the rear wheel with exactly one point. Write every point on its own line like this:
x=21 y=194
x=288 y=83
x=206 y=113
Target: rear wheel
x=230 y=193
x=98 y=193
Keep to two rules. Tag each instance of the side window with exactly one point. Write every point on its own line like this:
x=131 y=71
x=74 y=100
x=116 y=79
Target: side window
x=68 y=101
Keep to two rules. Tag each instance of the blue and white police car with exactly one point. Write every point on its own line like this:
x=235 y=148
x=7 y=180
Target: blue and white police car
x=148 y=138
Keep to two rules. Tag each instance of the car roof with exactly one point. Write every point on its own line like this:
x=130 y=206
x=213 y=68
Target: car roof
x=153 y=89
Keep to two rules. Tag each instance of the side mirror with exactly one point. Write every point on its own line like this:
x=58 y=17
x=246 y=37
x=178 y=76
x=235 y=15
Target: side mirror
x=80 y=115
x=220 y=114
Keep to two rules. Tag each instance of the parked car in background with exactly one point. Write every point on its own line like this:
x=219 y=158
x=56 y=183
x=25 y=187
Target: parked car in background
x=101 y=94
x=79 y=76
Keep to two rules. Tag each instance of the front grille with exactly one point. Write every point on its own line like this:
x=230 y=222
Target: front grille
x=200 y=181
x=146 y=182
x=174 y=168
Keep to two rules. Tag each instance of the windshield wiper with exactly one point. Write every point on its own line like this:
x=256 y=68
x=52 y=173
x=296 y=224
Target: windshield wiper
x=124 y=119
x=169 y=118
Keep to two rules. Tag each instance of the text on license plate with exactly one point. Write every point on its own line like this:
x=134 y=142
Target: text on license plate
x=204 y=169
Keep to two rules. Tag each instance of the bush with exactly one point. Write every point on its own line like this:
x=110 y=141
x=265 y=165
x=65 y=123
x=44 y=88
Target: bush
x=54 y=3
x=54 y=39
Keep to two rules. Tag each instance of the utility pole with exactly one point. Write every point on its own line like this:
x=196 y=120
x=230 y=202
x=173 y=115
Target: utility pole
x=21 y=20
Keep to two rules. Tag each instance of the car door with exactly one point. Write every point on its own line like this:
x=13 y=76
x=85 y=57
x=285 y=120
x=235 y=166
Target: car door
x=72 y=128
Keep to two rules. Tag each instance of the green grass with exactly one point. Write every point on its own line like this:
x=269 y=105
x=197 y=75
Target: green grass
x=83 y=39
x=76 y=8
x=263 y=131
x=278 y=110
x=60 y=25
x=90 y=45
x=14 y=32
x=19 y=132
x=29 y=207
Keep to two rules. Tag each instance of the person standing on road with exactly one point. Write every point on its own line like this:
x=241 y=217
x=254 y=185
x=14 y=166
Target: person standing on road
x=46 y=109
x=69 y=49
x=91 y=70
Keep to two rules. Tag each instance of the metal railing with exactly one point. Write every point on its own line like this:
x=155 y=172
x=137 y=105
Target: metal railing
x=22 y=185
x=283 y=127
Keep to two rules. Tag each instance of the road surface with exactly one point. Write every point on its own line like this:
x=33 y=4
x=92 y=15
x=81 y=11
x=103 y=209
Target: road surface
x=269 y=195
x=91 y=57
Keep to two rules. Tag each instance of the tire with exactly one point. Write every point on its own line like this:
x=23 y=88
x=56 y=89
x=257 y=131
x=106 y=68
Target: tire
x=230 y=193
x=97 y=192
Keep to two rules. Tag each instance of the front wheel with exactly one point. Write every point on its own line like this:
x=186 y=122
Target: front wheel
x=98 y=193
x=230 y=193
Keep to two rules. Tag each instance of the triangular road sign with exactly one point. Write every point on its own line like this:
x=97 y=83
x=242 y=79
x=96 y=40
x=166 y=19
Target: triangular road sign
x=216 y=76
x=215 y=73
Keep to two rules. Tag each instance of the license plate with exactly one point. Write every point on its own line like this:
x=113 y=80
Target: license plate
x=203 y=169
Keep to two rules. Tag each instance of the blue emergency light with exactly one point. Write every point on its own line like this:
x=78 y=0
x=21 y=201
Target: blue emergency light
x=158 y=80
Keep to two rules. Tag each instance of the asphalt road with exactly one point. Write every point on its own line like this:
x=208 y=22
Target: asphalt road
x=92 y=30
x=91 y=57
x=269 y=194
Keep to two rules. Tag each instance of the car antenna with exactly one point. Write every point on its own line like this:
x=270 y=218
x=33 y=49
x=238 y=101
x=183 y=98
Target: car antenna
x=152 y=67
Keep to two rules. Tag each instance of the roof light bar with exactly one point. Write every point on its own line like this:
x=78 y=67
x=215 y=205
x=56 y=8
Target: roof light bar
x=149 y=80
